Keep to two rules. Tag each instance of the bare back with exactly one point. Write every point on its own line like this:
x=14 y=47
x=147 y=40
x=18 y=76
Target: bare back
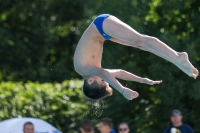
x=89 y=49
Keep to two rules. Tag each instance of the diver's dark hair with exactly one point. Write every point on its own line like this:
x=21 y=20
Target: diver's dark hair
x=95 y=91
x=87 y=126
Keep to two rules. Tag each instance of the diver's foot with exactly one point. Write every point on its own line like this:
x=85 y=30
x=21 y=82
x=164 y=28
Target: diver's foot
x=185 y=65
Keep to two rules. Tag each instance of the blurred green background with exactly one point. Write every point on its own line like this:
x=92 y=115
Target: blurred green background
x=37 y=43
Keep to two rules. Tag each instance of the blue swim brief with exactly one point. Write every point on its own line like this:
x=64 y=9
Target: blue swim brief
x=98 y=21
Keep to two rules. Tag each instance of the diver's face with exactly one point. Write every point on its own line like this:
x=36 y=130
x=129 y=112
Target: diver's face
x=101 y=83
x=91 y=79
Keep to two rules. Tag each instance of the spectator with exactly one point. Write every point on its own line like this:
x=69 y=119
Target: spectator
x=177 y=125
x=106 y=126
x=123 y=128
x=87 y=127
x=28 y=127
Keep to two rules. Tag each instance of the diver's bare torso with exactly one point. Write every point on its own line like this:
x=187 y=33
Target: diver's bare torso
x=89 y=49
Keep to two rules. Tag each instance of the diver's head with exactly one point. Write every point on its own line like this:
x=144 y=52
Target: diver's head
x=95 y=88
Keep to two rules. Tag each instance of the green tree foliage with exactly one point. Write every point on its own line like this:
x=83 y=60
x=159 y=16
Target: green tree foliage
x=38 y=40
x=61 y=104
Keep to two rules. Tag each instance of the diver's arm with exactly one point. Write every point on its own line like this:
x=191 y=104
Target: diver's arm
x=105 y=75
x=122 y=74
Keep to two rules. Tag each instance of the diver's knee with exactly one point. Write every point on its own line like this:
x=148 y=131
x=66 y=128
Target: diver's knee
x=149 y=40
x=141 y=42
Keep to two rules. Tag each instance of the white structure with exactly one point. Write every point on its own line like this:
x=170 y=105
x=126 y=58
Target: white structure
x=15 y=125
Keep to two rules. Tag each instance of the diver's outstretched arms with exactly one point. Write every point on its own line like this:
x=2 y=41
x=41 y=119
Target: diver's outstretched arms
x=122 y=74
x=124 y=34
x=110 y=76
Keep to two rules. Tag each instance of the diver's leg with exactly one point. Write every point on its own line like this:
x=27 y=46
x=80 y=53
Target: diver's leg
x=118 y=29
x=137 y=46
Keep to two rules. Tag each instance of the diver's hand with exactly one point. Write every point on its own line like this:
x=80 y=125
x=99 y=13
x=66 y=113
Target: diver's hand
x=129 y=94
x=151 y=82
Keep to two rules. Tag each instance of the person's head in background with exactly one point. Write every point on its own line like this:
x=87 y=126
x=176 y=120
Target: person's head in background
x=176 y=118
x=28 y=127
x=123 y=128
x=105 y=125
x=86 y=126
